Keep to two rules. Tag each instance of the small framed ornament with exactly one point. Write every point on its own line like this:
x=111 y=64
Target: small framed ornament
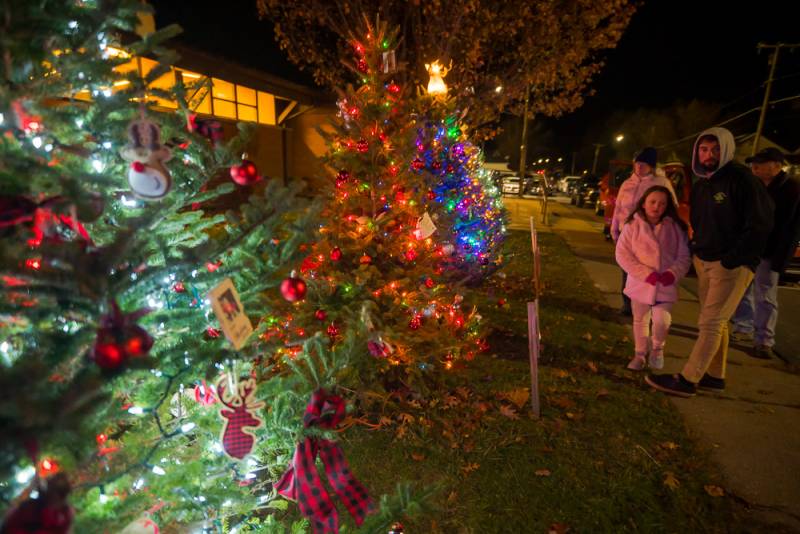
x=389 y=62
x=148 y=178
x=425 y=227
x=230 y=313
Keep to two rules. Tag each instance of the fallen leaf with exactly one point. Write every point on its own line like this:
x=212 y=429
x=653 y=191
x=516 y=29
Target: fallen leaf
x=587 y=336
x=463 y=392
x=406 y=418
x=569 y=318
x=592 y=366
x=466 y=469
x=517 y=396
x=602 y=393
x=561 y=402
x=558 y=528
x=542 y=473
x=561 y=373
x=714 y=491
x=417 y=456
x=602 y=336
x=574 y=416
x=452 y=498
x=670 y=446
x=509 y=412
x=670 y=481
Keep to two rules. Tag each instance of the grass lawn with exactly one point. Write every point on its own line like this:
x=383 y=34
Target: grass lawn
x=608 y=455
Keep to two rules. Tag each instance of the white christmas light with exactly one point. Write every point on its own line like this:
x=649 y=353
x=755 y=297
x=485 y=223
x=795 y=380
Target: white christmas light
x=136 y=410
x=194 y=274
x=250 y=476
x=98 y=165
x=72 y=24
x=35 y=494
x=158 y=470
x=187 y=427
x=216 y=447
x=79 y=123
x=107 y=144
x=201 y=499
x=103 y=498
x=1 y=118
x=129 y=203
x=139 y=484
x=24 y=476
x=37 y=142
x=107 y=92
x=4 y=346
x=48 y=147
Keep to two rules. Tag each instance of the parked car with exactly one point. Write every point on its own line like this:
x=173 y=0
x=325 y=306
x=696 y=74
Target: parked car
x=510 y=184
x=618 y=172
x=586 y=192
x=566 y=182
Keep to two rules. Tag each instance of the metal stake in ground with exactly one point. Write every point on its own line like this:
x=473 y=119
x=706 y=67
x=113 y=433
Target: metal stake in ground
x=534 y=336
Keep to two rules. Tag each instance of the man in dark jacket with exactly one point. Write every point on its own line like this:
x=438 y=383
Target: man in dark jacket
x=731 y=216
x=757 y=314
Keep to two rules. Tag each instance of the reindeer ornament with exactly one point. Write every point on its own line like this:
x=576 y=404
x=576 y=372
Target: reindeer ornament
x=236 y=442
x=148 y=178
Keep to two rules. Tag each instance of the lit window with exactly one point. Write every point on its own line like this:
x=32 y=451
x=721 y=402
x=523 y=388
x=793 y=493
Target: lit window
x=223 y=89
x=266 y=108
x=224 y=108
x=247 y=113
x=245 y=95
x=164 y=82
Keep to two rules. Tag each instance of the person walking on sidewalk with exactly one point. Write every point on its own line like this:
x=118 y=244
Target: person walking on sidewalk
x=757 y=314
x=654 y=250
x=631 y=191
x=731 y=216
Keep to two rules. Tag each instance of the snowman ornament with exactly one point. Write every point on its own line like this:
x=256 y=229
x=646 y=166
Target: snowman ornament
x=148 y=178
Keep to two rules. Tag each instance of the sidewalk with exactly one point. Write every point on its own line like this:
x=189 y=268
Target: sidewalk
x=753 y=428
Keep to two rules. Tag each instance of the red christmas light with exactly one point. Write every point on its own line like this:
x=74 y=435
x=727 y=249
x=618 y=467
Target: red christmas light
x=179 y=287
x=336 y=254
x=429 y=283
x=33 y=263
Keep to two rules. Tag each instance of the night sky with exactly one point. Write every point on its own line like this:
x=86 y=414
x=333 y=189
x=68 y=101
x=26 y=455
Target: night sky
x=673 y=49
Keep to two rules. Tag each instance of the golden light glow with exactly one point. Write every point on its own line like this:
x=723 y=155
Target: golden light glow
x=436 y=85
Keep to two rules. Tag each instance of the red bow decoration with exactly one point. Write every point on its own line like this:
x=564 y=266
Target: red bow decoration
x=301 y=482
x=16 y=210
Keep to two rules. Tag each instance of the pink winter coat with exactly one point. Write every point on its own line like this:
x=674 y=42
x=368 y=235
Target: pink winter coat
x=642 y=249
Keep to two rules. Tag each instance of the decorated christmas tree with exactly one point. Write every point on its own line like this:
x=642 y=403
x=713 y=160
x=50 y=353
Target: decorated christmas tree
x=379 y=260
x=465 y=204
x=155 y=362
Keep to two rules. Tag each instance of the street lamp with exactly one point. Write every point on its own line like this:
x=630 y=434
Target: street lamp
x=619 y=138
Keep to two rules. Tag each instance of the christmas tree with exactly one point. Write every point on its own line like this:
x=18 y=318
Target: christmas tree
x=133 y=372
x=465 y=204
x=378 y=262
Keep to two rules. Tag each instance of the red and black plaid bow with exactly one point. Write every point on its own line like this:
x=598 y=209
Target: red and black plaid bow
x=302 y=483
x=17 y=210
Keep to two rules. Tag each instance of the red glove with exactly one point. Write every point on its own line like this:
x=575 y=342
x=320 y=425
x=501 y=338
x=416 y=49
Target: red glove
x=666 y=278
x=652 y=278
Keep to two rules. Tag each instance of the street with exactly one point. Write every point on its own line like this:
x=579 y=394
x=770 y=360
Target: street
x=576 y=222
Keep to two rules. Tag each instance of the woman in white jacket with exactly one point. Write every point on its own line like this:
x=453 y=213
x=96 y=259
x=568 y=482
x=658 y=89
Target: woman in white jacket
x=653 y=249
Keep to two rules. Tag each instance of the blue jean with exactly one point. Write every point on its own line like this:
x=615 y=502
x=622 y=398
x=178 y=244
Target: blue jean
x=758 y=310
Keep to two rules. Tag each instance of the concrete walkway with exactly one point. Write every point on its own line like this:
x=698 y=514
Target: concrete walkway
x=753 y=428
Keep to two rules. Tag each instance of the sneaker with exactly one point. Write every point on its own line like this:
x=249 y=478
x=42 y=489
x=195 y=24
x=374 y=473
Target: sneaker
x=711 y=383
x=672 y=385
x=762 y=352
x=637 y=363
x=656 y=359
x=739 y=337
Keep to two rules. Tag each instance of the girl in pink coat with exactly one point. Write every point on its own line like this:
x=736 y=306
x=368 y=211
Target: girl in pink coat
x=653 y=249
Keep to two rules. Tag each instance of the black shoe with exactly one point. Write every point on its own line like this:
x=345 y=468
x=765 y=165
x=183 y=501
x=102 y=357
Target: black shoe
x=762 y=352
x=711 y=383
x=672 y=385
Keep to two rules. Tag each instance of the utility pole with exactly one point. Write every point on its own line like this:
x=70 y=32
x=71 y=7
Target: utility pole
x=574 y=155
x=597 y=147
x=523 y=148
x=774 y=63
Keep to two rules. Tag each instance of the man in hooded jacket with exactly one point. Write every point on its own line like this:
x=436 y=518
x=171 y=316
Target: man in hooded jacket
x=731 y=217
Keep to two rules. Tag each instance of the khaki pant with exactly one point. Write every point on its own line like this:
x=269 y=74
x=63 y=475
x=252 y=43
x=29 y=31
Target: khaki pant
x=719 y=291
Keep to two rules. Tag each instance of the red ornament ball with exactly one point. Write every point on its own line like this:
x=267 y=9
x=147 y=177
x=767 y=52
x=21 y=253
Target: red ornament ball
x=501 y=302
x=411 y=254
x=417 y=164
x=362 y=66
x=333 y=330
x=431 y=195
x=415 y=323
x=293 y=289
x=212 y=333
x=320 y=315
x=365 y=260
x=336 y=254
x=362 y=145
x=397 y=528
x=429 y=283
x=179 y=287
x=246 y=173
